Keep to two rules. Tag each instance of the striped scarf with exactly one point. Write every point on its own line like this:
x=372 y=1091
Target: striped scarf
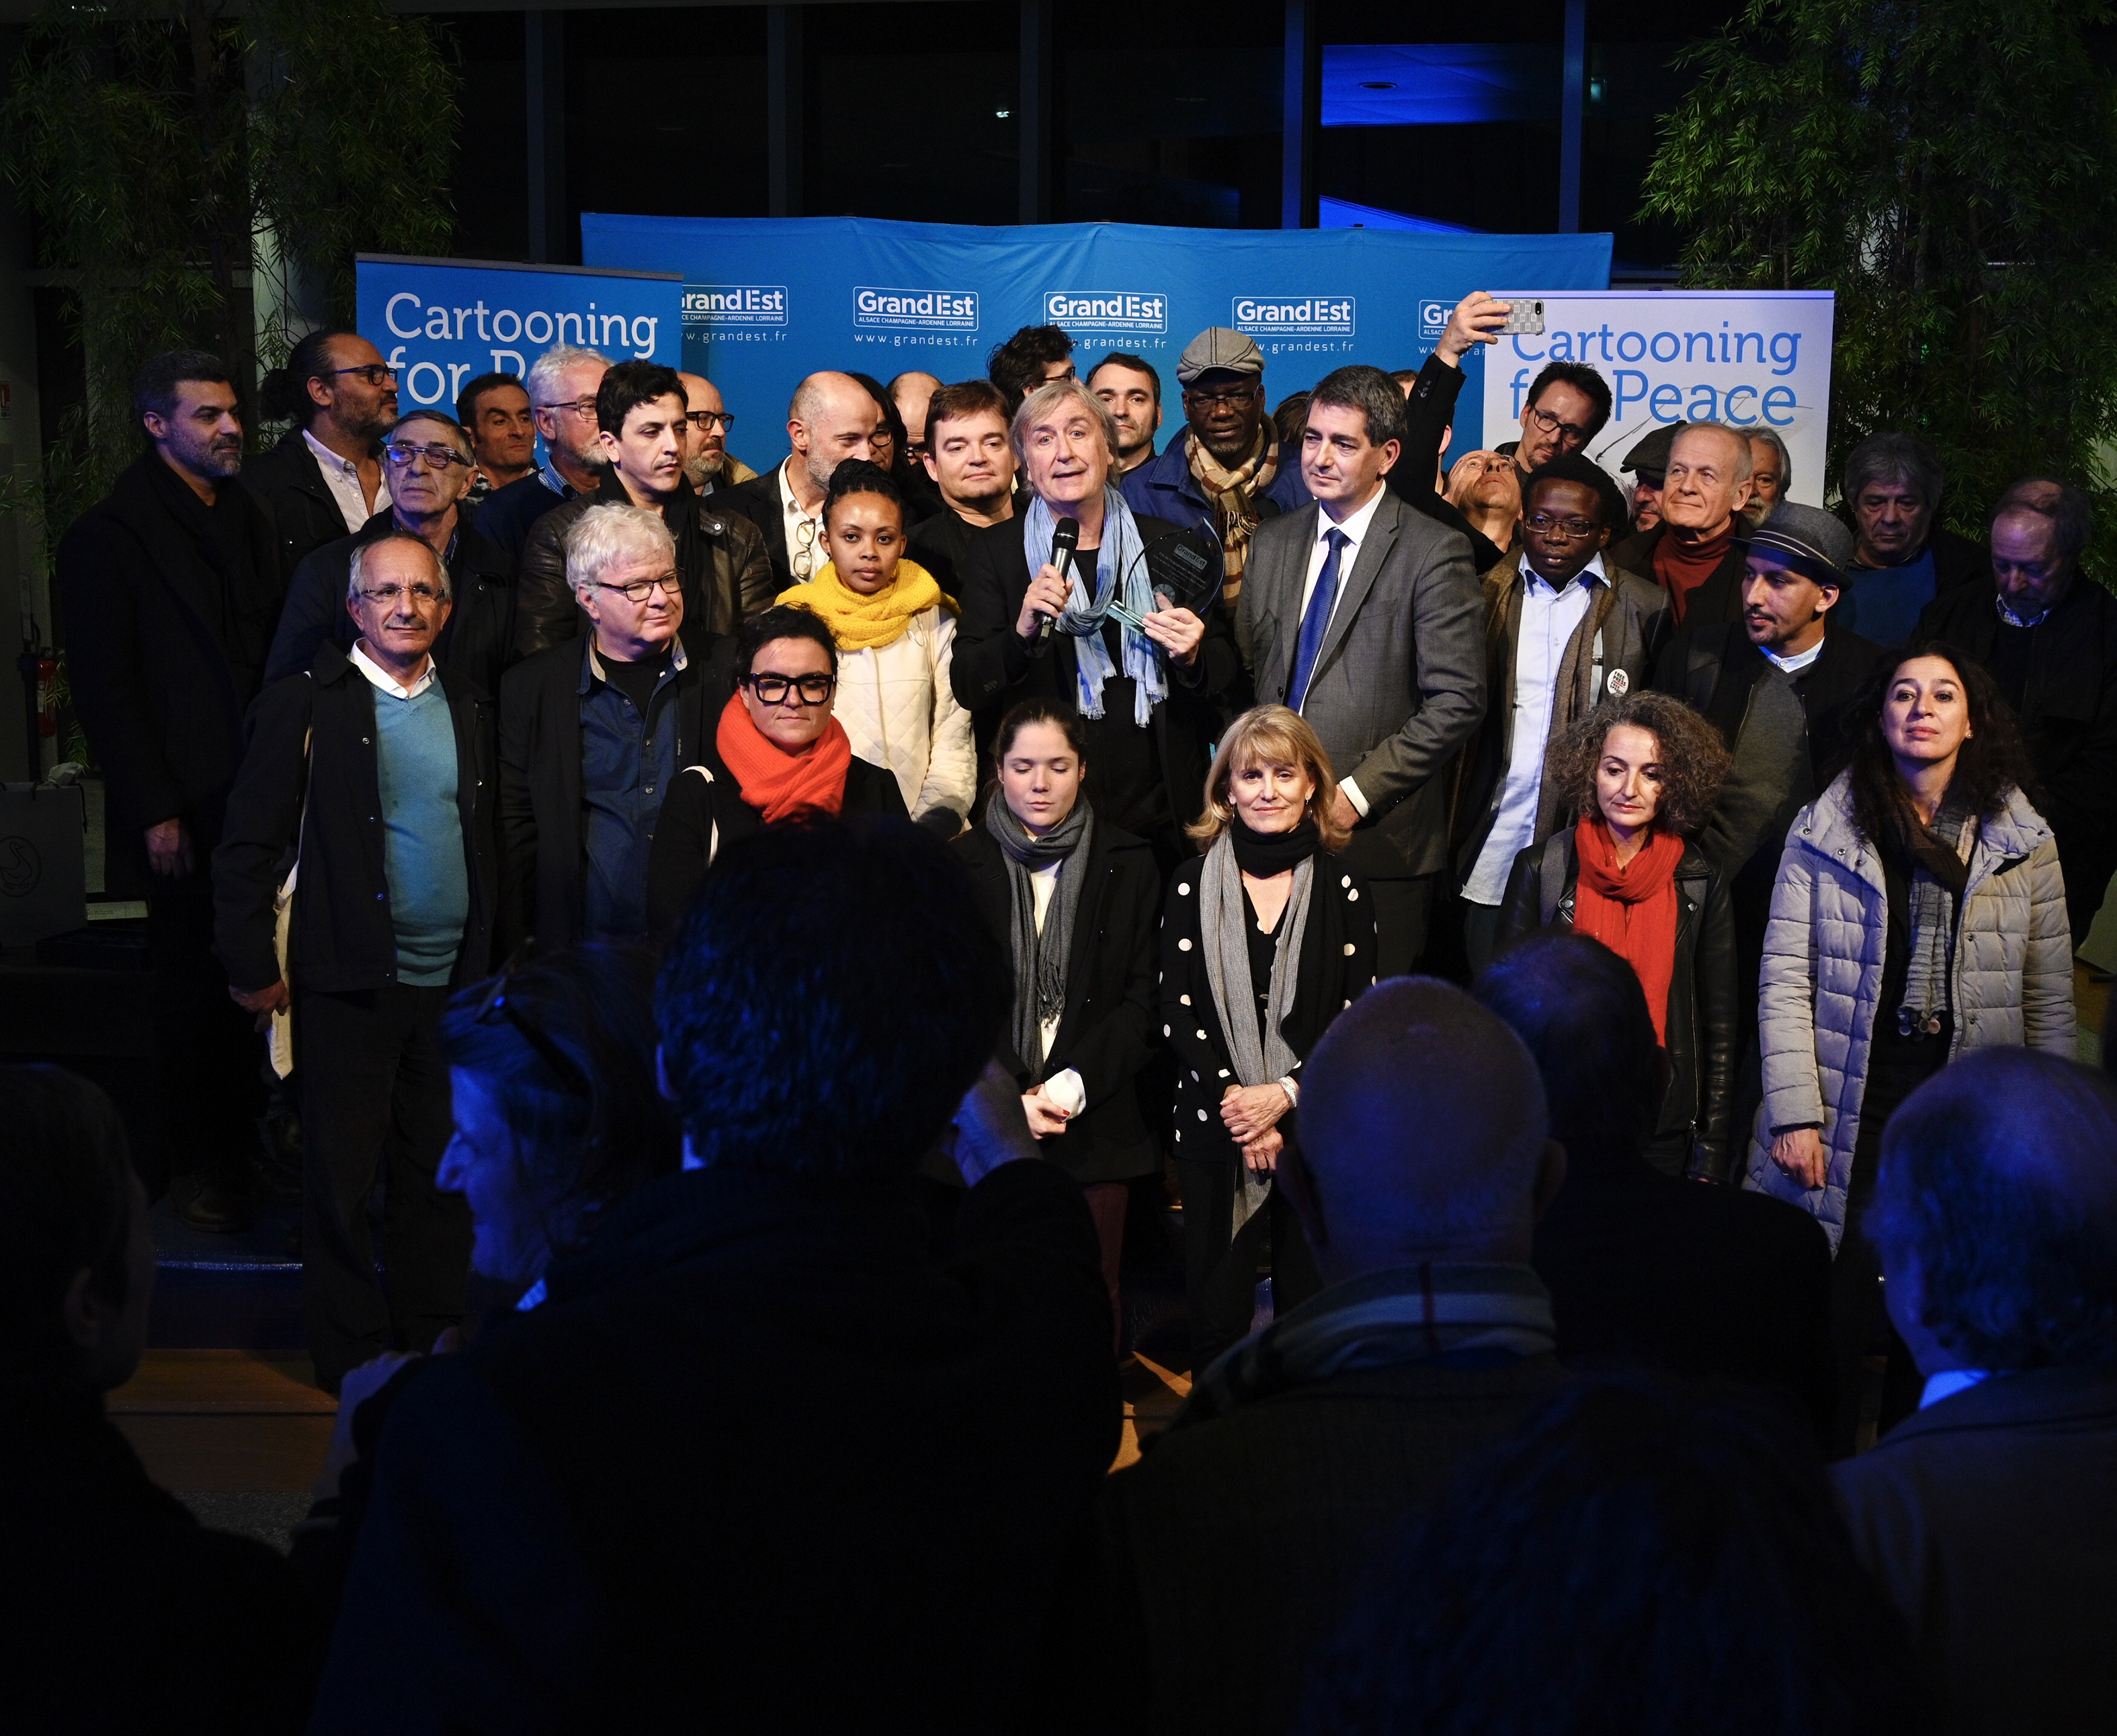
x=1234 y=494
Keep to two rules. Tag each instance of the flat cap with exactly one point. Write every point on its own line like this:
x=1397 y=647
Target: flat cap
x=1808 y=539
x=1222 y=346
x=1652 y=453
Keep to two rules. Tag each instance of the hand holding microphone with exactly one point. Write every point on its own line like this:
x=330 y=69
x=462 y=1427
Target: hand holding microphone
x=1051 y=588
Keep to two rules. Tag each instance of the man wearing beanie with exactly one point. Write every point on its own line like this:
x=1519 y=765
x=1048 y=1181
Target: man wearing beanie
x=1779 y=685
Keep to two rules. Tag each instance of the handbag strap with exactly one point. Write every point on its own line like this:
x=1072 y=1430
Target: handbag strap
x=1550 y=882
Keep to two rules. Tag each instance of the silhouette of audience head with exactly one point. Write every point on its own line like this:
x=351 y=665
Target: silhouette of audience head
x=77 y=1261
x=1637 y=1556
x=829 y=996
x=1581 y=1011
x=1996 y=1214
x=1398 y=1161
x=557 y=1115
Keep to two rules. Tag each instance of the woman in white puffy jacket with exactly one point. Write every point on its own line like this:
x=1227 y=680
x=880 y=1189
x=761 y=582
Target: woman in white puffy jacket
x=1919 y=912
x=895 y=633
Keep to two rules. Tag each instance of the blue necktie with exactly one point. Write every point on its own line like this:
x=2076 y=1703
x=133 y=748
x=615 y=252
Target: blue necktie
x=1315 y=619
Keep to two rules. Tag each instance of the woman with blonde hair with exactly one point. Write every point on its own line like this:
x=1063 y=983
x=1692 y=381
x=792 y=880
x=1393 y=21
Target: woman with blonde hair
x=1640 y=774
x=1265 y=940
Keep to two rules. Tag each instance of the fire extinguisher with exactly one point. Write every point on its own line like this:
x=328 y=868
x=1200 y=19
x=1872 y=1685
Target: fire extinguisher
x=48 y=695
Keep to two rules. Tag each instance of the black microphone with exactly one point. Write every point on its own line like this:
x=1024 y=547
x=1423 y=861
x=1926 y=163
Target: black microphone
x=1065 y=538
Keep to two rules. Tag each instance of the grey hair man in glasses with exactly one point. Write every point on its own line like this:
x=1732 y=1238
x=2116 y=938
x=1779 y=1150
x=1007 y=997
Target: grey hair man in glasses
x=428 y=457
x=592 y=731
x=376 y=773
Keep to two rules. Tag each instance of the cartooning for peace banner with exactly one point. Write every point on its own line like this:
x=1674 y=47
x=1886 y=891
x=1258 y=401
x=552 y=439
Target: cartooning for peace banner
x=1753 y=358
x=767 y=300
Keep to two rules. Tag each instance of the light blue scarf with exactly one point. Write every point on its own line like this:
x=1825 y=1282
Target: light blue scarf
x=1119 y=574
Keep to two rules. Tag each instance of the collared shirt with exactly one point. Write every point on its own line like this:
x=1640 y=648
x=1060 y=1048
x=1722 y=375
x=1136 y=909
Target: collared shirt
x=2010 y=618
x=1353 y=526
x=1549 y=619
x=1948 y=1384
x=1794 y=664
x=342 y=478
x=384 y=682
x=556 y=483
x=628 y=762
x=805 y=532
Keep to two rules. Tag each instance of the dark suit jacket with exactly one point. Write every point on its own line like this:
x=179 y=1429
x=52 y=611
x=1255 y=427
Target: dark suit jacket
x=328 y=800
x=1718 y=599
x=1991 y=1519
x=573 y=1528
x=544 y=868
x=994 y=667
x=760 y=499
x=290 y=483
x=1704 y=1280
x=1398 y=687
x=156 y=623
x=507 y=515
x=478 y=637
x=1106 y=1032
x=1235 y=1546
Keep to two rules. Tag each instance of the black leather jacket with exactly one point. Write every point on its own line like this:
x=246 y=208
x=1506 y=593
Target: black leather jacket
x=1693 y=1136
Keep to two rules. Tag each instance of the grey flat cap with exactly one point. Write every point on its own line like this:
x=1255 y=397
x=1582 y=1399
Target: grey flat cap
x=1219 y=346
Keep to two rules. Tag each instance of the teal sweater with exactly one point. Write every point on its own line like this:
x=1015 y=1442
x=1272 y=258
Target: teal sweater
x=422 y=841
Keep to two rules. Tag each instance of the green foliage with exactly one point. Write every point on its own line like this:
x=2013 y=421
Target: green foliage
x=179 y=167
x=1949 y=169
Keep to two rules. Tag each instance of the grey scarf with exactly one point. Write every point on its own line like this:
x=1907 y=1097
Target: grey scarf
x=1938 y=881
x=1039 y=958
x=1220 y=919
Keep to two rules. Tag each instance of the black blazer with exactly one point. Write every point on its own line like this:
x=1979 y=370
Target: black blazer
x=543 y=866
x=1694 y=1133
x=705 y=812
x=508 y=514
x=1337 y=967
x=158 y=693
x=343 y=939
x=994 y=667
x=758 y=500
x=1717 y=600
x=1106 y=1032
x=290 y=482
x=478 y=637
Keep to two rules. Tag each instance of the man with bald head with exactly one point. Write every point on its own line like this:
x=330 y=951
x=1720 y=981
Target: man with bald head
x=910 y=393
x=1695 y=552
x=1237 y=1538
x=832 y=419
x=708 y=466
x=1988 y=1516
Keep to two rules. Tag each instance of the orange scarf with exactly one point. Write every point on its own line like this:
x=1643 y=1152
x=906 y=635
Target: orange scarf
x=776 y=782
x=1631 y=910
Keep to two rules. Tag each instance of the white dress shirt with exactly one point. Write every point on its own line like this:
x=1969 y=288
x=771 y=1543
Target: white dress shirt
x=793 y=518
x=342 y=478
x=383 y=682
x=1947 y=1385
x=1549 y=620
x=1353 y=528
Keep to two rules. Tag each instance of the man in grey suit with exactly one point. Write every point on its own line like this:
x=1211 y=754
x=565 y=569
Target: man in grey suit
x=1364 y=616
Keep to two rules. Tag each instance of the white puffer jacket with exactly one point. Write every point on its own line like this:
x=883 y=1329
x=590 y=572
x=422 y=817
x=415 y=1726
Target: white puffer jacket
x=1821 y=984
x=901 y=714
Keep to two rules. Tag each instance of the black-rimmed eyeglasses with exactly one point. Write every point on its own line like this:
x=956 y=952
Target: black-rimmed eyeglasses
x=772 y=689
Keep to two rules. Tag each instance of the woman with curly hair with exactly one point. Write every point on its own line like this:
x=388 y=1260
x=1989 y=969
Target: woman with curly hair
x=1641 y=774
x=1919 y=912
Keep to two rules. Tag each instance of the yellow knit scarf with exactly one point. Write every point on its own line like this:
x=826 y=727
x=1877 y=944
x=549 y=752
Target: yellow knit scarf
x=868 y=623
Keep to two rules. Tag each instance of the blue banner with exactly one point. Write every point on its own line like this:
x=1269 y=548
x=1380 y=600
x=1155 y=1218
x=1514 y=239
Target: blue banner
x=767 y=300
x=442 y=322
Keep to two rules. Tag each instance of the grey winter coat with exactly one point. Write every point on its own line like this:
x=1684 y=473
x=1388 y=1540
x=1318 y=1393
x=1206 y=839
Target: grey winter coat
x=1822 y=978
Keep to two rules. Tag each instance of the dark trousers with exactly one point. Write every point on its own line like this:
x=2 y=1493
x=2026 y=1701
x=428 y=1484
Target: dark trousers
x=1402 y=909
x=375 y=1101
x=1221 y=1267
x=1481 y=935
x=207 y=1087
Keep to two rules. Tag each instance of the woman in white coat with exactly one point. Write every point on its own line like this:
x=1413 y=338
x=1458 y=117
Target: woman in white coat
x=1919 y=912
x=895 y=633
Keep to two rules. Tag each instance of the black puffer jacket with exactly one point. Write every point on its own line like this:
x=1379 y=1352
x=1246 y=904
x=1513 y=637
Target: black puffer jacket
x=1694 y=1135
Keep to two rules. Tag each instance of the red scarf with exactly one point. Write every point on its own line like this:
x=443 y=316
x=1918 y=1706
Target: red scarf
x=1681 y=567
x=1631 y=910
x=776 y=782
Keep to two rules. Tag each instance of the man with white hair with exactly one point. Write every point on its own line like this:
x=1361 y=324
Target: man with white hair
x=1696 y=552
x=1239 y=1539
x=562 y=385
x=832 y=417
x=376 y=771
x=592 y=731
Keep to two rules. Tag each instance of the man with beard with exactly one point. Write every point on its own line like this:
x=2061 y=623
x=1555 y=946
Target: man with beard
x=562 y=385
x=832 y=419
x=640 y=409
x=709 y=467
x=1225 y=471
x=324 y=479
x=170 y=586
